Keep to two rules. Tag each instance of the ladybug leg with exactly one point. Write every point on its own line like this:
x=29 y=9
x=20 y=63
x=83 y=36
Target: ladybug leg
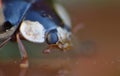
x=49 y=49
x=0 y=3
x=24 y=62
x=5 y=42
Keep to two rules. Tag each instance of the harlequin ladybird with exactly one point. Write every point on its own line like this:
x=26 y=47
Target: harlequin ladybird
x=37 y=21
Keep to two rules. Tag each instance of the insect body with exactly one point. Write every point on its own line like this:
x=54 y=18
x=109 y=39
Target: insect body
x=35 y=20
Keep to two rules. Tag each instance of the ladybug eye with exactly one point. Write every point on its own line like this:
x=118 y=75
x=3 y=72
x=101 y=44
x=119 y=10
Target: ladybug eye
x=52 y=38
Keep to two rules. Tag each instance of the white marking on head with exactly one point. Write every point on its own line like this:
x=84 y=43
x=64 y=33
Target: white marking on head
x=64 y=38
x=33 y=31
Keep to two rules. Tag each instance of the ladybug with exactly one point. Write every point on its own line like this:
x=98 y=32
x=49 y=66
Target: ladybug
x=37 y=21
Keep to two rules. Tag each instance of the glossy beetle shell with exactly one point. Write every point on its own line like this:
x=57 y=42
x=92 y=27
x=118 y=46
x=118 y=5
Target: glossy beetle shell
x=17 y=12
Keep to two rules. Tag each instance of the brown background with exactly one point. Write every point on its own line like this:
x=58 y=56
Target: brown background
x=96 y=50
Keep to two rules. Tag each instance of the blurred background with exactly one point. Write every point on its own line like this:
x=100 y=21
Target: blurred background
x=96 y=44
